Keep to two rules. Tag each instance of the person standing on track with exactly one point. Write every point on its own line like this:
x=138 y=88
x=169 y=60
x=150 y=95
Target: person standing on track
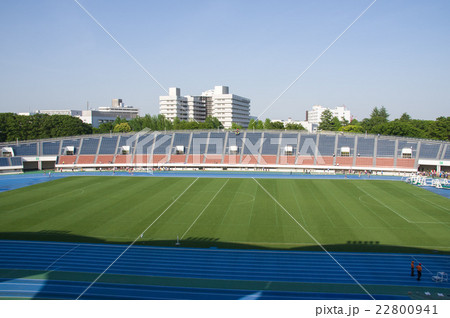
x=419 y=271
x=412 y=268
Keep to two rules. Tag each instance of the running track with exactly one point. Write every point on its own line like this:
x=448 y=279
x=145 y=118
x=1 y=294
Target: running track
x=227 y=272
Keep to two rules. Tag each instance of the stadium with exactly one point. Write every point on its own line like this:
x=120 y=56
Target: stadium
x=224 y=215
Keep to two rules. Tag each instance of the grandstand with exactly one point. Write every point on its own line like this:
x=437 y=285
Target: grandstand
x=271 y=150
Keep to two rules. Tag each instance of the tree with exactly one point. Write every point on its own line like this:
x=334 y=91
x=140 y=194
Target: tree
x=260 y=125
x=326 y=120
x=344 y=122
x=105 y=128
x=235 y=126
x=252 y=124
x=292 y=126
x=352 y=128
x=440 y=128
x=336 y=124
x=405 y=117
x=377 y=117
x=122 y=127
x=277 y=125
x=268 y=124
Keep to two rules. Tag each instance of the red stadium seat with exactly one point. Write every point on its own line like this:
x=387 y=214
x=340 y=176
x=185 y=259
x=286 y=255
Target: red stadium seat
x=268 y=160
x=67 y=160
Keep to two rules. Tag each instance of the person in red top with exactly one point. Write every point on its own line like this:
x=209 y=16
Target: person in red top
x=412 y=268
x=419 y=271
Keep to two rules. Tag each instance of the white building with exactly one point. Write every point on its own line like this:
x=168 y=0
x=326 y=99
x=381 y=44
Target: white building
x=217 y=102
x=173 y=105
x=97 y=117
x=196 y=109
x=314 y=115
x=310 y=127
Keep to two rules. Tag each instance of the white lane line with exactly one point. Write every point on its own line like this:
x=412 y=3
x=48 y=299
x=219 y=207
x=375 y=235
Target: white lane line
x=315 y=240
x=137 y=238
x=204 y=209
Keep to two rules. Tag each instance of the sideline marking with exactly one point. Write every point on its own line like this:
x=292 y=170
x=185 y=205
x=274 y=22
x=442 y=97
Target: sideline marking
x=316 y=241
x=137 y=238
x=382 y=203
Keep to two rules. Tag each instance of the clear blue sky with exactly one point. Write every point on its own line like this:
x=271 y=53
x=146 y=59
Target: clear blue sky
x=53 y=56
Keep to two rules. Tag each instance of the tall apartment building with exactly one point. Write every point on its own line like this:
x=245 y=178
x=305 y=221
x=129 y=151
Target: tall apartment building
x=217 y=102
x=173 y=105
x=314 y=115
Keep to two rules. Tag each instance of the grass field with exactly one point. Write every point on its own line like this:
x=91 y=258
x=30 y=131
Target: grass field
x=343 y=215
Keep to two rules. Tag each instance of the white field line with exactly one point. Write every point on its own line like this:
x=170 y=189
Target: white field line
x=137 y=238
x=62 y=256
x=204 y=209
x=315 y=240
x=382 y=203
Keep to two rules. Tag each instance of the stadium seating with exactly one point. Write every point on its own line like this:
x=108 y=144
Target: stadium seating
x=251 y=149
x=177 y=158
x=386 y=148
x=384 y=162
x=89 y=146
x=70 y=143
x=16 y=161
x=125 y=140
x=67 y=160
x=325 y=161
x=405 y=163
x=141 y=159
x=270 y=144
x=195 y=159
x=365 y=147
x=305 y=160
x=429 y=150
x=108 y=145
x=249 y=159
x=447 y=153
x=213 y=159
x=252 y=146
x=307 y=148
x=50 y=148
x=25 y=149
x=326 y=146
x=364 y=162
x=287 y=160
x=105 y=159
x=85 y=159
x=145 y=144
x=268 y=160
x=344 y=161
x=4 y=162
x=159 y=159
x=122 y=159
x=231 y=159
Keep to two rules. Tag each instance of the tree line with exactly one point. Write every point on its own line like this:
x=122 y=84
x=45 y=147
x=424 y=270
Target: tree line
x=378 y=123
x=18 y=127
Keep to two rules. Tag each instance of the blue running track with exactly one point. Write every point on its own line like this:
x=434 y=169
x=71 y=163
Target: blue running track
x=188 y=273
